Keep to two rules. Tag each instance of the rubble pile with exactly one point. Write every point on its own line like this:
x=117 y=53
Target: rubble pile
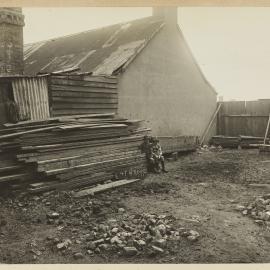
x=259 y=210
x=90 y=226
x=129 y=235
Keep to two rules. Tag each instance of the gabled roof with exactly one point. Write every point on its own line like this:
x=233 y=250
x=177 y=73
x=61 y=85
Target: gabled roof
x=100 y=51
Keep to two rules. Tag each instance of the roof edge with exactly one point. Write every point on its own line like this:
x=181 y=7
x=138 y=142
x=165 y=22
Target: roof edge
x=129 y=61
x=195 y=61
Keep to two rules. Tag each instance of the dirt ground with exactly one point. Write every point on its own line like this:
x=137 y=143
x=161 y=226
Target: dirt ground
x=200 y=192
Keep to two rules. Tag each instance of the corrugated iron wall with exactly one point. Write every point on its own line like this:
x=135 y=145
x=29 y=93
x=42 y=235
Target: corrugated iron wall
x=74 y=95
x=31 y=96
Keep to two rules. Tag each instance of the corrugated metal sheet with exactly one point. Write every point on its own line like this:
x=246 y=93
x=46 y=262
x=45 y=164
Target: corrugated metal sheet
x=31 y=95
x=88 y=50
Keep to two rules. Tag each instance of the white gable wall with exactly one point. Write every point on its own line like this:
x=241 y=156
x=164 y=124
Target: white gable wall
x=164 y=86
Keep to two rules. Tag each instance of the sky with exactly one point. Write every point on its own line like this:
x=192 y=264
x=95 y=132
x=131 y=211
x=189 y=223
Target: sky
x=231 y=45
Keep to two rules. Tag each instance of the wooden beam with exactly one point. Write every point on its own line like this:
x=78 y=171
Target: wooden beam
x=211 y=123
x=101 y=188
x=267 y=129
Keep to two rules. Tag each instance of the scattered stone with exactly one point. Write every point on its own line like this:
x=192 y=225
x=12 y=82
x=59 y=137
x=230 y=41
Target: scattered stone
x=266 y=196
x=116 y=240
x=130 y=251
x=78 y=255
x=157 y=249
x=53 y=215
x=50 y=237
x=64 y=245
x=56 y=240
x=115 y=230
x=141 y=243
x=259 y=221
x=160 y=243
x=121 y=210
x=36 y=252
x=162 y=229
x=91 y=245
x=104 y=246
x=193 y=235
x=90 y=252
x=98 y=242
x=240 y=208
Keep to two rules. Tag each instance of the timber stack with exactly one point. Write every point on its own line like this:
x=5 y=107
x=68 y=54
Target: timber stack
x=70 y=152
x=225 y=141
x=234 y=142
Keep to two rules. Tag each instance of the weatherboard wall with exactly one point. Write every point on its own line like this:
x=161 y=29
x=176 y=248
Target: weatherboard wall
x=73 y=95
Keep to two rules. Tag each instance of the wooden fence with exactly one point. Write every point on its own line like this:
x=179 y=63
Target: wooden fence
x=243 y=118
x=70 y=94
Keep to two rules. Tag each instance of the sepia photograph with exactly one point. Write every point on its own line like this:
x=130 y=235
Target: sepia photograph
x=135 y=134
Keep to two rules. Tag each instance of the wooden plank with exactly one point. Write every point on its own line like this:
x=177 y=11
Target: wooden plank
x=210 y=123
x=82 y=83
x=14 y=177
x=13 y=135
x=64 y=112
x=10 y=168
x=85 y=100
x=102 y=79
x=74 y=152
x=267 y=130
x=75 y=183
x=81 y=160
x=87 y=171
x=78 y=167
x=116 y=142
x=105 y=187
x=83 y=89
x=66 y=106
x=62 y=93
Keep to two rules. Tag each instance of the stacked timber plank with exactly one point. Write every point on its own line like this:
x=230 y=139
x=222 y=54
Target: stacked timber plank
x=225 y=141
x=251 y=142
x=264 y=148
x=234 y=142
x=71 y=152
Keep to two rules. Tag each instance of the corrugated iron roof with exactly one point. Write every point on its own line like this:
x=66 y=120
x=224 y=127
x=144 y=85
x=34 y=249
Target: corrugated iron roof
x=101 y=51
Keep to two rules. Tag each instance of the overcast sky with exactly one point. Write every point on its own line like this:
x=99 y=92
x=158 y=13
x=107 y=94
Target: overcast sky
x=232 y=45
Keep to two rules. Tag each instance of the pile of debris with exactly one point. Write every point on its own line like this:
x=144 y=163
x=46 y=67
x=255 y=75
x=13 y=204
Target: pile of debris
x=71 y=152
x=131 y=235
x=259 y=210
x=101 y=225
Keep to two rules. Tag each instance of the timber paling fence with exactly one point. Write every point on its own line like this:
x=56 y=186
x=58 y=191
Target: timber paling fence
x=248 y=118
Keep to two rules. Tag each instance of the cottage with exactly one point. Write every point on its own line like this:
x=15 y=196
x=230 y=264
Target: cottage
x=158 y=78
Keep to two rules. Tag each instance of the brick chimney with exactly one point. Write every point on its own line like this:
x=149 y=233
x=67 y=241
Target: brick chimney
x=11 y=41
x=168 y=14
